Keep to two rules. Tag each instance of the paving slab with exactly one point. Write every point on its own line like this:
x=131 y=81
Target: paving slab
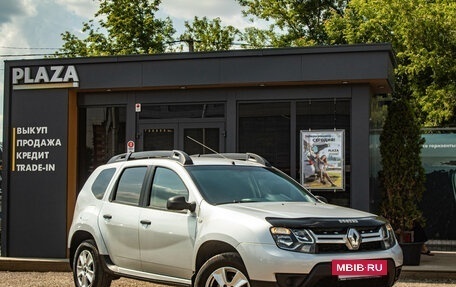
x=441 y=265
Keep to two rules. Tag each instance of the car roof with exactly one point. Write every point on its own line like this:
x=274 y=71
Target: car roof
x=201 y=159
x=222 y=161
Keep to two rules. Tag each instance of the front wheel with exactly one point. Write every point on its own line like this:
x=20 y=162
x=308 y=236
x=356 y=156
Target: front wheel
x=223 y=270
x=87 y=268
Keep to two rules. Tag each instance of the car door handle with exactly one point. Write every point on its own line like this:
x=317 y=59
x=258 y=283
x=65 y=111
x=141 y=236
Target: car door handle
x=107 y=216
x=146 y=222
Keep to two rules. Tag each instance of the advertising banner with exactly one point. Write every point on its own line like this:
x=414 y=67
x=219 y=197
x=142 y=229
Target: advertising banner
x=38 y=173
x=322 y=159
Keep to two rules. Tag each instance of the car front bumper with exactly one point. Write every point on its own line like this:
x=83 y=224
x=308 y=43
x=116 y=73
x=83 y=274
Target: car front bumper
x=267 y=265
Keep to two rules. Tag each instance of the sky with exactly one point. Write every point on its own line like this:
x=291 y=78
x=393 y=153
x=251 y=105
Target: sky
x=35 y=26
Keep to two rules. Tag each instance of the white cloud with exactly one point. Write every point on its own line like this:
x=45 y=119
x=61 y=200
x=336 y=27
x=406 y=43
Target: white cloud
x=82 y=8
x=229 y=11
x=11 y=25
x=211 y=8
x=12 y=9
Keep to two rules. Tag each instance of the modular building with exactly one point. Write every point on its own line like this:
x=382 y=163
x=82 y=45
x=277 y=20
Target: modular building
x=65 y=117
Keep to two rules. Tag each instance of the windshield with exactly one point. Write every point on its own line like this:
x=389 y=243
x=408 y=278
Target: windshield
x=233 y=184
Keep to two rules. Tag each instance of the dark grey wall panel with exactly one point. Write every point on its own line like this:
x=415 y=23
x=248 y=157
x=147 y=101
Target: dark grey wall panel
x=312 y=65
x=109 y=75
x=360 y=195
x=37 y=190
x=181 y=72
x=345 y=66
x=261 y=69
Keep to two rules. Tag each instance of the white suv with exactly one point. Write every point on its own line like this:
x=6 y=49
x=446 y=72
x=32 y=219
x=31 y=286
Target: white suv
x=217 y=220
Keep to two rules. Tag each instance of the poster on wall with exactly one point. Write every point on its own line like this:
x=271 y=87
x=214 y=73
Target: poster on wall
x=322 y=159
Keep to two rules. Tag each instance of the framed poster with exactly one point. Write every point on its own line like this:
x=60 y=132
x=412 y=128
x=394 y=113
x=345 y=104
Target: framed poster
x=322 y=159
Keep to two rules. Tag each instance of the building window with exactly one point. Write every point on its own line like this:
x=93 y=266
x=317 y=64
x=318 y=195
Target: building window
x=101 y=136
x=264 y=129
x=182 y=111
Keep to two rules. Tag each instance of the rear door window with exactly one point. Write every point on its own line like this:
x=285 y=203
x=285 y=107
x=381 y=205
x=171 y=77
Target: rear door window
x=130 y=184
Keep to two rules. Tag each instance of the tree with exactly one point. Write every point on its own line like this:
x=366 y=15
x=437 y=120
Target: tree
x=402 y=176
x=124 y=27
x=293 y=22
x=205 y=35
x=423 y=34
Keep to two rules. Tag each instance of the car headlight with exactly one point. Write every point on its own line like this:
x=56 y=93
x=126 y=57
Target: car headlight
x=299 y=240
x=389 y=238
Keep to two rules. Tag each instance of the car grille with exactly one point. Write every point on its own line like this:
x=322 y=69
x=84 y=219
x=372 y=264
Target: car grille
x=334 y=240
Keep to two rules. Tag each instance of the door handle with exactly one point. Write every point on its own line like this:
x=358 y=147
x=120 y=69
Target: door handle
x=107 y=216
x=146 y=222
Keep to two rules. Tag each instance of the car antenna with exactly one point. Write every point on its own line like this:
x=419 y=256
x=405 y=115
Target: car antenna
x=205 y=146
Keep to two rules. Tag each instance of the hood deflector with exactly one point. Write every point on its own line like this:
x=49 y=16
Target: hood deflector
x=313 y=222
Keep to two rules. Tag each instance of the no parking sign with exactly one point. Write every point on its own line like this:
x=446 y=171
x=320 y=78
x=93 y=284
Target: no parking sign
x=130 y=146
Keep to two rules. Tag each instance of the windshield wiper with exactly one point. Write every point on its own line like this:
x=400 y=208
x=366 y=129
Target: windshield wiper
x=244 y=200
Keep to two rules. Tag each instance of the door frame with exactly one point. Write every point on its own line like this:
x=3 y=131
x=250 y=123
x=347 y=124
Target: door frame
x=179 y=125
x=200 y=125
x=158 y=125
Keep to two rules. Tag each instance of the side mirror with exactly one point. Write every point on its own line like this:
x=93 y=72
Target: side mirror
x=321 y=198
x=178 y=202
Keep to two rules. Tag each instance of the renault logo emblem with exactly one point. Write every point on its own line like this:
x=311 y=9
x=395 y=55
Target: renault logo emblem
x=353 y=239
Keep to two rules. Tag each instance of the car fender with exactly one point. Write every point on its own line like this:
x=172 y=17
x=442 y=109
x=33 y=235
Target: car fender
x=87 y=221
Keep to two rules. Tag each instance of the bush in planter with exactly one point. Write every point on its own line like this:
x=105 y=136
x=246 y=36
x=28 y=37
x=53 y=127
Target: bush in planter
x=402 y=176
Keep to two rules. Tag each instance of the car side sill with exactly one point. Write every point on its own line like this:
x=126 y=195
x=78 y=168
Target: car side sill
x=147 y=276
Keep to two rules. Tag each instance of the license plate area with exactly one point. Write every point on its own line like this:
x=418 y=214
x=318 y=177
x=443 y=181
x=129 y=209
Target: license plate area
x=359 y=269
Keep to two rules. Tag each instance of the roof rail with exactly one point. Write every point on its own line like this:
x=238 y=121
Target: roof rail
x=177 y=155
x=239 y=156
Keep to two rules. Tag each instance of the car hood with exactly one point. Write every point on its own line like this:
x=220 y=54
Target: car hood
x=293 y=210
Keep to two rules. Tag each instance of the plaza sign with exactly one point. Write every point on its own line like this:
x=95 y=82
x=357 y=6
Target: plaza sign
x=44 y=77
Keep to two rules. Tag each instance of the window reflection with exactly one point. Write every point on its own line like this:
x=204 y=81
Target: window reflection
x=166 y=185
x=102 y=135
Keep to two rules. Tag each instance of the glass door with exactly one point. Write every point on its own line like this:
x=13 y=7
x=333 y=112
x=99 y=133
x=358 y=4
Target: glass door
x=202 y=138
x=191 y=137
x=158 y=137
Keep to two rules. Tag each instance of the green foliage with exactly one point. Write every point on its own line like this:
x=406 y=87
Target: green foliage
x=423 y=34
x=402 y=176
x=208 y=35
x=255 y=38
x=293 y=23
x=124 y=27
x=130 y=27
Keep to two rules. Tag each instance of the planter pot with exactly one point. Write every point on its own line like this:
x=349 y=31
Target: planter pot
x=412 y=253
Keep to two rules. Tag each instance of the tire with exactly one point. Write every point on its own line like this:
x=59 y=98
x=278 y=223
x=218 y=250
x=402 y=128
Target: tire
x=87 y=268
x=223 y=270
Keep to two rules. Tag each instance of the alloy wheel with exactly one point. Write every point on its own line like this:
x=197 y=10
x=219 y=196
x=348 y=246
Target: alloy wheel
x=227 y=277
x=85 y=269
